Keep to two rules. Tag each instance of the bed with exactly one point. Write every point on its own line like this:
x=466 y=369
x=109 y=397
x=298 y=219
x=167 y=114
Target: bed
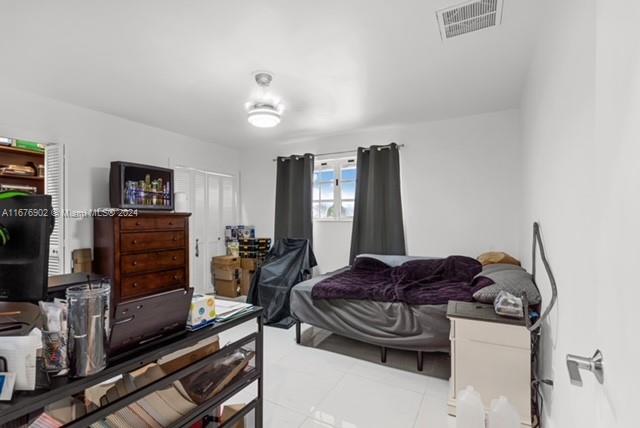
x=398 y=325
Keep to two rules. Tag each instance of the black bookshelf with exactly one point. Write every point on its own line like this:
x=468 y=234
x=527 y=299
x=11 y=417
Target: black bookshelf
x=25 y=402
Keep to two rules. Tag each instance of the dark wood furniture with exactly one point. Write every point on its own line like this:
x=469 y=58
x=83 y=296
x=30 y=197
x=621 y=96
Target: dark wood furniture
x=22 y=157
x=25 y=402
x=143 y=254
x=157 y=199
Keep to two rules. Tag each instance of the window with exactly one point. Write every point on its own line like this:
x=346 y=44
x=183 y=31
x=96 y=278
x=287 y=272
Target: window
x=334 y=189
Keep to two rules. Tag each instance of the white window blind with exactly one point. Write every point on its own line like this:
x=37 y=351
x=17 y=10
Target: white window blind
x=54 y=186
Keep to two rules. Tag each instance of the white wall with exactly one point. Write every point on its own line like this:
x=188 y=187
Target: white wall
x=618 y=194
x=92 y=140
x=461 y=187
x=581 y=181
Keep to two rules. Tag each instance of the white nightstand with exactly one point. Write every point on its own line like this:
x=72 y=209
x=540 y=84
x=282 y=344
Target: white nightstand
x=490 y=353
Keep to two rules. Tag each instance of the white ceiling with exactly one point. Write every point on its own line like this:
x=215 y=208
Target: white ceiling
x=339 y=65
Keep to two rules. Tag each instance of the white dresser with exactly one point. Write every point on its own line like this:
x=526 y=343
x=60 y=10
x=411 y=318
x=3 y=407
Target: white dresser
x=490 y=353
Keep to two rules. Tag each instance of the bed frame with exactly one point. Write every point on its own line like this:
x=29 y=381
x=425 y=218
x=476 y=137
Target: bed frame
x=535 y=328
x=383 y=349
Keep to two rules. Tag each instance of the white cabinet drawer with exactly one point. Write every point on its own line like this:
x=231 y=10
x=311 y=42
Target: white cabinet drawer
x=490 y=332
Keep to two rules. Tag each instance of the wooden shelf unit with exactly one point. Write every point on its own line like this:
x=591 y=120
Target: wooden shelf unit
x=16 y=156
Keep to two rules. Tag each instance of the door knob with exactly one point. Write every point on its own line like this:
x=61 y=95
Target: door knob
x=197 y=247
x=576 y=363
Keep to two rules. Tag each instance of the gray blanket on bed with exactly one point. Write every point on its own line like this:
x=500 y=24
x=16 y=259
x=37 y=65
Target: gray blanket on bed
x=394 y=325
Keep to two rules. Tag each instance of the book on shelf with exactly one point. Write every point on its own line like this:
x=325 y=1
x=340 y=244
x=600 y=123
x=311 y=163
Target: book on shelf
x=28 y=145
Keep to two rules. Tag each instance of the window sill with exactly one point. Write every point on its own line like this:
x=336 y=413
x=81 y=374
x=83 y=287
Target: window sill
x=333 y=220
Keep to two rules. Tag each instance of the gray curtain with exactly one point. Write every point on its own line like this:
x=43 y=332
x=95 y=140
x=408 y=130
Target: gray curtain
x=294 y=185
x=377 y=216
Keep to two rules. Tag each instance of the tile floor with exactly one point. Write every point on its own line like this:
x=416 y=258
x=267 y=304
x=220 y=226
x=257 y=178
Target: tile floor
x=307 y=387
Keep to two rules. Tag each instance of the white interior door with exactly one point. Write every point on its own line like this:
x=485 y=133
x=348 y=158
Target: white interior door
x=199 y=221
x=215 y=226
x=211 y=198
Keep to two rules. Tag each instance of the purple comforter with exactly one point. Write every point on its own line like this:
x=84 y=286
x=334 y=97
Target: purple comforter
x=416 y=282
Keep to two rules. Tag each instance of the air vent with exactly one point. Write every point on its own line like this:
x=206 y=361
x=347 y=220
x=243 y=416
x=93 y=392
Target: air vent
x=469 y=17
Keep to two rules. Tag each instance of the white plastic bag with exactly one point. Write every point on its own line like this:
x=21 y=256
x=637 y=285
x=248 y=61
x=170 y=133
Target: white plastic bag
x=508 y=305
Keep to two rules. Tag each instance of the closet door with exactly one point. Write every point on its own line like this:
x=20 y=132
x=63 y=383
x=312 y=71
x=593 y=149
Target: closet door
x=212 y=201
x=199 y=218
x=229 y=205
x=214 y=225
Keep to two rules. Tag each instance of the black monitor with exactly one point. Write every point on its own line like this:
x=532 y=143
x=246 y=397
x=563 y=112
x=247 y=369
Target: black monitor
x=24 y=257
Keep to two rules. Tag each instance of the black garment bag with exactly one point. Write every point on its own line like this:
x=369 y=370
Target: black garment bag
x=289 y=262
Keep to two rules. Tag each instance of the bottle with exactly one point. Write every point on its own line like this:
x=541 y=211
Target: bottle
x=470 y=410
x=503 y=414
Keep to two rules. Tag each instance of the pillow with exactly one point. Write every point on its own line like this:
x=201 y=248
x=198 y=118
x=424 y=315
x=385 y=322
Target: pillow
x=369 y=264
x=493 y=257
x=392 y=260
x=514 y=281
x=497 y=267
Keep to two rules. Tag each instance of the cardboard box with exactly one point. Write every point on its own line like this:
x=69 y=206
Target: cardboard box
x=227 y=288
x=249 y=264
x=228 y=410
x=245 y=281
x=223 y=262
x=185 y=357
x=82 y=260
x=226 y=274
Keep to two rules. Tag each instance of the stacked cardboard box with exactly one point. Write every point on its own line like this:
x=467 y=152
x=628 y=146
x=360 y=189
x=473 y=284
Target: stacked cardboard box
x=249 y=267
x=225 y=271
x=82 y=260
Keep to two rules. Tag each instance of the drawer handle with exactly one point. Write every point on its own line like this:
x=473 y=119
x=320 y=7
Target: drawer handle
x=175 y=277
x=135 y=241
x=135 y=263
x=137 y=223
x=174 y=258
x=135 y=285
x=175 y=238
x=170 y=223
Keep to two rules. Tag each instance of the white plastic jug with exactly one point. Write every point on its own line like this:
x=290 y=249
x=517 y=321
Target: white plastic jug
x=503 y=414
x=470 y=410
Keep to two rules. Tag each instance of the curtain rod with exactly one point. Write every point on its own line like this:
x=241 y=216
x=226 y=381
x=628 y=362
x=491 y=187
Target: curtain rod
x=344 y=152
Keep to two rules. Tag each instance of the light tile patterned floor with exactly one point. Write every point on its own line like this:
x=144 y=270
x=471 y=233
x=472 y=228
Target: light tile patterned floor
x=309 y=387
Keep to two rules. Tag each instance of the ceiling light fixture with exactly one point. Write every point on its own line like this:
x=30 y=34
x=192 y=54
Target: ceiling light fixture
x=266 y=111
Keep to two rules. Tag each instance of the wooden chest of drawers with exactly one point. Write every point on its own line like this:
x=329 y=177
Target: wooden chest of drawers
x=142 y=255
